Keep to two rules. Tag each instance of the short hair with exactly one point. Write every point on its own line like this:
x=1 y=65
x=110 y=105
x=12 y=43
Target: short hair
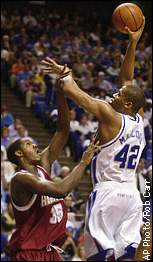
x=11 y=151
x=135 y=95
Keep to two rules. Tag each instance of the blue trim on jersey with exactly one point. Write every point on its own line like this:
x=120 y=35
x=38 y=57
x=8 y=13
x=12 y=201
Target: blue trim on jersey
x=129 y=253
x=91 y=202
x=98 y=245
x=133 y=118
x=98 y=257
x=120 y=133
x=89 y=205
x=94 y=170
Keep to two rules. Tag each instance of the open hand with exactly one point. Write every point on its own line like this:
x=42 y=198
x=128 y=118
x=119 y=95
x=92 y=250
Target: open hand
x=50 y=66
x=135 y=36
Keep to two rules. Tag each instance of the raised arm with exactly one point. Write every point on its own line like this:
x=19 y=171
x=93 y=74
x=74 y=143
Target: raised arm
x=56 y=189
x=101 y=109
x=127 y=68
x=59 y=139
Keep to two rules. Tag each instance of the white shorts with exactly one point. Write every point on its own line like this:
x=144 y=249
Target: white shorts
x=113 y=218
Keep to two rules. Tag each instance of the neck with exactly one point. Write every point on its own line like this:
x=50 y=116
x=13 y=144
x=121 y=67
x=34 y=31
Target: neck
x=29 y=167
x=130 y=113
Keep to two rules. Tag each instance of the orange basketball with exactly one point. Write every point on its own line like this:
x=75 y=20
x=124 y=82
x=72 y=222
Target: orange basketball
x=127 y=14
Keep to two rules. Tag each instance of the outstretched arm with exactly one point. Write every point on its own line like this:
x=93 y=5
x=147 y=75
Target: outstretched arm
x=56 y=189
x=127 y=68
x=59 y=139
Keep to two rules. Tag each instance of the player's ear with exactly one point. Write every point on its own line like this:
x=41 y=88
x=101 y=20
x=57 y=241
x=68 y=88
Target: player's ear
x=18 y=153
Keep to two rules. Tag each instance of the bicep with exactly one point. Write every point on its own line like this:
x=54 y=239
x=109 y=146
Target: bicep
x=38 y=186
x=102 y=110
x=99 y=108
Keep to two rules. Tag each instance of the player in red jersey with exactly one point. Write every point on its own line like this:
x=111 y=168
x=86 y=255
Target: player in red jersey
x=38 y=203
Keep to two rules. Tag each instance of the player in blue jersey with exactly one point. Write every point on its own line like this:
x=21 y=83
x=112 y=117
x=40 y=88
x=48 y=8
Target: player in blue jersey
x=114 y=208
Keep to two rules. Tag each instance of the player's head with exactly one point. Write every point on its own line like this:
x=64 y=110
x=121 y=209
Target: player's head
x=128 y=100
x=22 y=152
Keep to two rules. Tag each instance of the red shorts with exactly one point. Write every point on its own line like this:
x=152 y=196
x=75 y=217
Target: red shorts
x=37 y=255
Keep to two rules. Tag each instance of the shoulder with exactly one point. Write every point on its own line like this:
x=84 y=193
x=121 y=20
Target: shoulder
x=110 y=115
x=19 y=175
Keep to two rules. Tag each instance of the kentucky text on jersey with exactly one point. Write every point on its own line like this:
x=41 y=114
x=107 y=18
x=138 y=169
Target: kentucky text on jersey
x=137 y=134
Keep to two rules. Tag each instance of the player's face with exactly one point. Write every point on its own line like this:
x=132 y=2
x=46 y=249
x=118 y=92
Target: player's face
x=30 y=151
x=119 y=99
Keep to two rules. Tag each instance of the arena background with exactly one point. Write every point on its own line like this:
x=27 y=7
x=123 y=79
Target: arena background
x=28 y=99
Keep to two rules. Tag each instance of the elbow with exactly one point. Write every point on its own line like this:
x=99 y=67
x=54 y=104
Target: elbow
x=62 y=192
x=66 y=129
x=126 y=82
x=59 y=193
x=65 y=134
x=63 y=188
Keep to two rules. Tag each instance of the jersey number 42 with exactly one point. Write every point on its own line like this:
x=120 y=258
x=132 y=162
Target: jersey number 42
x=128 y=156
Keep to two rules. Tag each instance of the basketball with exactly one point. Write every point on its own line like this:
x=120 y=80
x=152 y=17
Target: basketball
x=127 y=14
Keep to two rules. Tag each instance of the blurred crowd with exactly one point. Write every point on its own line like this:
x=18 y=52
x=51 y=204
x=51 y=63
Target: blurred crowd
x=95 y=55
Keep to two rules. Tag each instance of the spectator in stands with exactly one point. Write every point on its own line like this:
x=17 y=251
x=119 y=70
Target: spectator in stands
x=83 y=125
x=7 y=118
x=41 y=46
x=17 y=67
x=91 y=122
x=4 y=241
x=103 y=83
x=5 y=56
x=23 y=76
x=8 y=221
x=86 y=80
x=29 y=18
x=56 y=169
x=13 y=128
x=74 y=123
x=33 y=87
x=5 y=138
x=7 y=169
x=148 y=109
x=113 y=70
x=22 y=132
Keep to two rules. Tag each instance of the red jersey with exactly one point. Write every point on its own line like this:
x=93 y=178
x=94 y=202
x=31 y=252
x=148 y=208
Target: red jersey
x=40 y=223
